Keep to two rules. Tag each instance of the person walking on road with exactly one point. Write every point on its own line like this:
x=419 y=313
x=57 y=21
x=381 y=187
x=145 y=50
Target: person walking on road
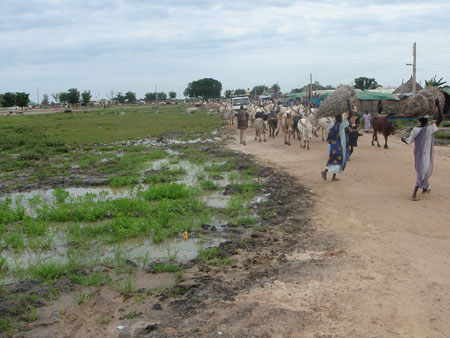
x=338 y=148
x=423 y=136
x=242 y=123
x=367 y=117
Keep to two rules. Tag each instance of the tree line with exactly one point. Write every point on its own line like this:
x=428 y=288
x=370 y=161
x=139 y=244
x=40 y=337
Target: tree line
x=74 y=97
x=204 y=88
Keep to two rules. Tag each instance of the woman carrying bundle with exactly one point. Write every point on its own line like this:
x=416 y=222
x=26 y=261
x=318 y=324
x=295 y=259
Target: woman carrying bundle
x=338 y=148
x=423 y=136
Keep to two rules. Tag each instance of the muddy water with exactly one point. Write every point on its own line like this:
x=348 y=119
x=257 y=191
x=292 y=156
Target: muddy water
x=47 y=196
x=137 y=250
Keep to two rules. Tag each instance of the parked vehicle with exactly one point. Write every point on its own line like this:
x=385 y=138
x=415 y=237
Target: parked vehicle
x=239 y=101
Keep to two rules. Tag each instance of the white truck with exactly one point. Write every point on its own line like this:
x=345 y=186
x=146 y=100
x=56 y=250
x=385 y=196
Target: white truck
x=239 y=101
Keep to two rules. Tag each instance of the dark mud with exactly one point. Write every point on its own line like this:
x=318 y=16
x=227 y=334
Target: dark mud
x=74 y=177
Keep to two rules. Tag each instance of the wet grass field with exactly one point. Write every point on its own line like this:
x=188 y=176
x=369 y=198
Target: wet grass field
x=79 y=211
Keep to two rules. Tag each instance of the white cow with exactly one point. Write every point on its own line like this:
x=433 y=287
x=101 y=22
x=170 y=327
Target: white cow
x=323 y=124
x=305 y=129
x=260 y=128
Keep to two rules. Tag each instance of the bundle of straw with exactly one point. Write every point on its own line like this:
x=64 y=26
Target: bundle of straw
x=427 y=101
x=338 y=102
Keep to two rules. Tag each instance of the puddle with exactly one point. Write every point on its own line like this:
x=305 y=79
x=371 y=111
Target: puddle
x=47 y=196
x=136 y=250
x=139 y=249
x=216 y=199
x=172 y=152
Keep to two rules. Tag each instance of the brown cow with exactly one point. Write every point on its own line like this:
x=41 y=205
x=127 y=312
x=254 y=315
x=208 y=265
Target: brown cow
x=382 y=125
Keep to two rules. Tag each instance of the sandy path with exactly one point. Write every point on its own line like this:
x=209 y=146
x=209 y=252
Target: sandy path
x=395 y=279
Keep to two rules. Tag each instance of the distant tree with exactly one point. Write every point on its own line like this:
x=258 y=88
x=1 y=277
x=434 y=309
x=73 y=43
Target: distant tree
x=9 y=99
x=239 y=91
x=130 y=97
x=45 y=102
x=365 y=83
x=227 y=93
x=73 y=96
x=63 y=97
x=206 y=88
x=22 y=99
x=172 y=95
x=86 y=97
x=162 y=96
x=433 y=82
x=150 y=97
x=315 y=86
x=258 y=90
x=275 y=87
x=120 y=97
x=2 y=101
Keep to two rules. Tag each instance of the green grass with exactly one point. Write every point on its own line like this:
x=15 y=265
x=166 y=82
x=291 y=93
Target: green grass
x=214 y=256
x=235 y=207
x=246 y=221
x=164 y=175
x=3 y=265
x=208 y=185
x=442 y=136
x=9 y=214
x=162 y=267
x=104 y=126
x=96 y=278
x=217 y=168
x=49 y=270
x=167 y=191
x=6 y=325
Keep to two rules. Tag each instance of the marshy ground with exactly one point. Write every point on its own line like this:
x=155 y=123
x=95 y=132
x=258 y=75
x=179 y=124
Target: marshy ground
x=91 y=224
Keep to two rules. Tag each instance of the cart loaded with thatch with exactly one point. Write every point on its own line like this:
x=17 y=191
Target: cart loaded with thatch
x=339 y=102
x=427 y=101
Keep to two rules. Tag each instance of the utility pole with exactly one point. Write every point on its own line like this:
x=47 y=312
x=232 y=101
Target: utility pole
x=179 y=93
x=38 y=96
x=310 y=91
x=414 y=69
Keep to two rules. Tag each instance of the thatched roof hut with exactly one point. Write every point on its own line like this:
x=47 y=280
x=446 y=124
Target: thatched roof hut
x=406 y=88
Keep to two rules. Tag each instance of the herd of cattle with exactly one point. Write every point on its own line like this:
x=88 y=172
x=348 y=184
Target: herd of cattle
x=294 y=121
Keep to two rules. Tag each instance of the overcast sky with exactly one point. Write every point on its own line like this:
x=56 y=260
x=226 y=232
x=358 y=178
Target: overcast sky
x=122 y=45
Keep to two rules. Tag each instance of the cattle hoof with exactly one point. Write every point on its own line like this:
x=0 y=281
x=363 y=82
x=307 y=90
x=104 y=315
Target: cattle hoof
x=386 y=147
x=379 y=146
x=264 y=140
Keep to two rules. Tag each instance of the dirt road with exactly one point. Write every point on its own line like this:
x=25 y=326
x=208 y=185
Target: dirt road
x=393 y=279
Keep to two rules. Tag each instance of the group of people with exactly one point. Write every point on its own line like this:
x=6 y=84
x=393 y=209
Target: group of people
x=339 y=150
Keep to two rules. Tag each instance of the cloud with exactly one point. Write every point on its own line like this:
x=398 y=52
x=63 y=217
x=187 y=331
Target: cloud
x=134 y=44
